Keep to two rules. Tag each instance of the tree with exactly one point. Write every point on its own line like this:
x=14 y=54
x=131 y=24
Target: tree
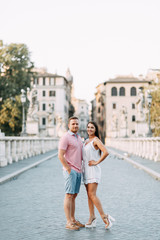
x=11 y=116
x=155 y=111
x=15 y=74
x=15 y=69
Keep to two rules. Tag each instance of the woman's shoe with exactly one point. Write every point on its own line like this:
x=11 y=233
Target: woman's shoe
x=111 y=218
x=109 y=221
x=92 y=224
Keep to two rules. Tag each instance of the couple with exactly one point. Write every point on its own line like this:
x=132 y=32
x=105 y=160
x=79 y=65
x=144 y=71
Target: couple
x=71 y=153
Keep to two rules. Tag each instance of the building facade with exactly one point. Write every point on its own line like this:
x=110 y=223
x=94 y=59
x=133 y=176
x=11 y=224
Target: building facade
x=120 y=105
x=101 y=110
x=50 y=104
x=82 y=112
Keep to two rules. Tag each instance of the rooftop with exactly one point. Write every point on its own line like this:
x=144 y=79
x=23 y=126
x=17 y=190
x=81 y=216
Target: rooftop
x=125 y=79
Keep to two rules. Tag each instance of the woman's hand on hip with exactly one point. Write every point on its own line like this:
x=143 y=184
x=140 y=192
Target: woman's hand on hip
x=92 y=163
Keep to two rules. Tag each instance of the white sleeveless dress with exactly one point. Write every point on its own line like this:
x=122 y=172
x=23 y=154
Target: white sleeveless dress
x=91 y=174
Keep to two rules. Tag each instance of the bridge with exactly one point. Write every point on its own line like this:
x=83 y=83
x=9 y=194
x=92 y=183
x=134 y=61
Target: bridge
x=32 y=193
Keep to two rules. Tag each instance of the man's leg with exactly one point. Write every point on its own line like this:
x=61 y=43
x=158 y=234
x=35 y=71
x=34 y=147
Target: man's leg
x=77 y=187
x=68 y=200
x=73 y=207
x=68 y=207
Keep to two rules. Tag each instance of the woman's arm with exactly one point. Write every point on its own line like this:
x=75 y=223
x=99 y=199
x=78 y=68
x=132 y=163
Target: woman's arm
x=97 y=143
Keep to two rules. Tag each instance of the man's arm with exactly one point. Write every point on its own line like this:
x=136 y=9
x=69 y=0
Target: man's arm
x=63 y=160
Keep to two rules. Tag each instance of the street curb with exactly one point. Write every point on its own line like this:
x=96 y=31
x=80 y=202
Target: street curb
x=15 y=174
x=151 y=172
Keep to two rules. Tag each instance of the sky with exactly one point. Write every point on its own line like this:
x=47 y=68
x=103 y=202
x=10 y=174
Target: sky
x=95 y=39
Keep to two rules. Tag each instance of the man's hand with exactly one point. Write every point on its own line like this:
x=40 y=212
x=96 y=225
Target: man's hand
x=68 y=170
x=92 y=163
x=63 y=160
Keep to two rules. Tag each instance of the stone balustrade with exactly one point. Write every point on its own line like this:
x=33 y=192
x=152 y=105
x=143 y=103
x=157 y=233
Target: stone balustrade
x=143 y=147
x=13 y=149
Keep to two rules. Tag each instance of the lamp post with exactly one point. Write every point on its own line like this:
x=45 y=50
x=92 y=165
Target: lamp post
x=149 y=101
x=125 y=117
x=23 y=100
x=116 y=127
x=126 y=123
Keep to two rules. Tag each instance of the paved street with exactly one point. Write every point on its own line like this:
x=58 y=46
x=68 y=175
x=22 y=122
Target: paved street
x=31 y=206
x=155 y=166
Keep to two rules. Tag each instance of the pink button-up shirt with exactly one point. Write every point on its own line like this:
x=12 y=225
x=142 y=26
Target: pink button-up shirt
x=72 y=143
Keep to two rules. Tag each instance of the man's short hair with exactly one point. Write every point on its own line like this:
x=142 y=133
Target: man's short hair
x=73 y=117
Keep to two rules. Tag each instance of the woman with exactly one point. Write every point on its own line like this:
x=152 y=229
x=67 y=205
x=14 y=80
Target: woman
x=92 y=157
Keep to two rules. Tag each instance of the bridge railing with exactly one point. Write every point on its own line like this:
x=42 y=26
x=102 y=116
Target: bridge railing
x=143 y=147
x=13 y=149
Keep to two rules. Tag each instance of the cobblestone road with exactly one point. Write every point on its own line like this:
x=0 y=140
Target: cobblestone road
x=31 y=206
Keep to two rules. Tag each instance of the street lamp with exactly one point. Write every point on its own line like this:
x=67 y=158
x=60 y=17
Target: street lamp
x=149 y=101
x=125 y=115
x=23 y=100
x=126 y=123
x=116 y=127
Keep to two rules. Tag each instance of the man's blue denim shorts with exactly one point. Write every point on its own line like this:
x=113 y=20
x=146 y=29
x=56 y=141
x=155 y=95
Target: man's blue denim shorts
x=72 y=181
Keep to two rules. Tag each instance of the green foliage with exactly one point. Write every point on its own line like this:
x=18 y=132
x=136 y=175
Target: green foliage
x=15 y=69
x=15 y=74
x=155 y=111
x=11 y=116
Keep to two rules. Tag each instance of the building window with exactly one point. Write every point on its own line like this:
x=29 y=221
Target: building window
x=52 y=93
x=44 y=81
x=65 y=109
x=51 y=81
x=54 y=121
x=133 y=91
x=114 y=105
x=43 y=106
x=133 y=118
x=82 y=127
x=122 y=91
x=44 y=93
x=141 y=88
x=133 y=106
x=36 y=81
x=99 y=110
x=114 y=91
x=133 y=131
x=43 y=121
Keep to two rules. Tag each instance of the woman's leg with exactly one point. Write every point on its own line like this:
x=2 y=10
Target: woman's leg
x=92 y=188
x=91 y=207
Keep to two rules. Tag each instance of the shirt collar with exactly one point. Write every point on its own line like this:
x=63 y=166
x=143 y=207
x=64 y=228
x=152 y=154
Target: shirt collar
x=73 y=134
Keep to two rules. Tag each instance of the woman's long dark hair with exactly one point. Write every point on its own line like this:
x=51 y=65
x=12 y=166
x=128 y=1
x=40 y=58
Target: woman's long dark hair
x=96 y=127
x=96 y=132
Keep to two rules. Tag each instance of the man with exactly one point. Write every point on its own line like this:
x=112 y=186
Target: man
x=70 y=155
